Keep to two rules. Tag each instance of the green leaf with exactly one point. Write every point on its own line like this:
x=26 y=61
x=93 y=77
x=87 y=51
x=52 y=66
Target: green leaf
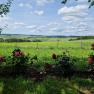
x=91 y=4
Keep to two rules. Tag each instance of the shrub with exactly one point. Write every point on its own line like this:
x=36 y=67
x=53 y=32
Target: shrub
x=19 y=57
x=48 y=68
x=54 y=56
x=91 y=64
x=92 y=46
x=2 y=59
x=91 y=59
x=65 y=66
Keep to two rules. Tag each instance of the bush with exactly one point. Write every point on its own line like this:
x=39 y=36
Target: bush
x=2 y=59
x=36 y=40
x=18 y=57
x=63 y=67
x=16 y=40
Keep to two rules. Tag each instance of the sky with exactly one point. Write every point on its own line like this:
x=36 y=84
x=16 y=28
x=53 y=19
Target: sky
x=49 y=17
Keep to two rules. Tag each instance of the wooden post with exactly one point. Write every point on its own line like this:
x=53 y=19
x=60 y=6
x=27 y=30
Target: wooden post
x=81 y=42
x=57 y=43
x=37 y=45
x=0 y=31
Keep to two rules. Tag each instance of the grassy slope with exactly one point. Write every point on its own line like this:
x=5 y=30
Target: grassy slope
x=47 y=48
x=50 y=84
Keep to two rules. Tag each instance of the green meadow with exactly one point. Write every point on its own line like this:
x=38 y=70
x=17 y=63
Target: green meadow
x=46 y=48
x=79 y=49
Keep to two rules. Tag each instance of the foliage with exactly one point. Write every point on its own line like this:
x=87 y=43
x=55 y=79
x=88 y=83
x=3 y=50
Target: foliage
x=82 y=38
x=4 y=8
x=2 y=59
x=65 y=65
x=54 y=56
x=36 y=40
x=92 y=46
x=19 y=57
x=59 y=65
x=14 y=40
x=91 y=63
x=89 y=1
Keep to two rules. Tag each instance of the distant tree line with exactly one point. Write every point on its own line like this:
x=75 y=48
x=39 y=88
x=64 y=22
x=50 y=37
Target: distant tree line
x=19 y=40
x=82 y=37
x=13 y=40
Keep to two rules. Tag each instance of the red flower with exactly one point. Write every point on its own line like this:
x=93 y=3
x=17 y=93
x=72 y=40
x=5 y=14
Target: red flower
x=2 y=59
x=21 y=53
x=54 y=56
x=90 y=59
x=18 y=54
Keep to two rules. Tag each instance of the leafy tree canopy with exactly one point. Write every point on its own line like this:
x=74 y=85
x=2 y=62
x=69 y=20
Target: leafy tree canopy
x=89 y=1
x=4 y=8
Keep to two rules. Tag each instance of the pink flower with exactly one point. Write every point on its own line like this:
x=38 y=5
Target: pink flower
x=18 y=54
x=21 y=53
x=2 y=59
x=90 y=59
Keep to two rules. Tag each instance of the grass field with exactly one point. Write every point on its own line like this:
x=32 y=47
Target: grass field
x=49 y=47
x=48 y=86
x=44 y=51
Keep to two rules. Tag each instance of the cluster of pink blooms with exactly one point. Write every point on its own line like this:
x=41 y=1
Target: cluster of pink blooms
x=91 y=59
x=2 y=59
x=18 y=54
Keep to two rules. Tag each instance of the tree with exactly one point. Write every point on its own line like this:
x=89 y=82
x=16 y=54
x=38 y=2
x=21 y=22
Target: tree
x=4 y=8
x=0 y=31
x=89 y=1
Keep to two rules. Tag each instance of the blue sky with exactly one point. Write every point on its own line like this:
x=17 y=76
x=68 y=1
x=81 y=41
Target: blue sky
x=49 y=17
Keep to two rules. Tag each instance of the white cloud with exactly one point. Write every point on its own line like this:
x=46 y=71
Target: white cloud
x=4 y=18
x=31 y=26
x=43 y=2
x=4 y=21
x=70 y=18
x=21 y=5
x=75 y=19
x=15 y=25
x=39 y=12
x=19 y=23
x=51 y=28
x=10 y=25
x=74 y=9
x=52 y=24
x=27 y=5
x=82 y=1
